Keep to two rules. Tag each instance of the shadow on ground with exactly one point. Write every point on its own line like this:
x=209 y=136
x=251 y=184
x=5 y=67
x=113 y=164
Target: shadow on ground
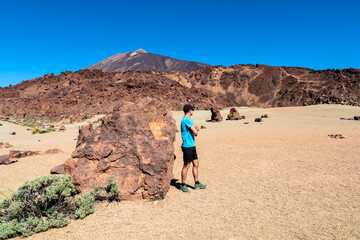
x=174 y=182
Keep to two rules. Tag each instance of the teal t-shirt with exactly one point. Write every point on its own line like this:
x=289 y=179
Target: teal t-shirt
x=186 y=134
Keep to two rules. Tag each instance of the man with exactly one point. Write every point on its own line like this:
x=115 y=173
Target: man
x=188 y=132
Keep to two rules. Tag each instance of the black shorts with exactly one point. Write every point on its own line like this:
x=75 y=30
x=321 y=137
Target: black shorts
x=189 y=154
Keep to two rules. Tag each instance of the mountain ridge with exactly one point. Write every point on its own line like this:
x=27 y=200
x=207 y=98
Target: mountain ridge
x=96 y=92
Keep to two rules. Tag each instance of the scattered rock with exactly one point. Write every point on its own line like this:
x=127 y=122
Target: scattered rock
x=5 y=160
x=41 y=96
x=62 y=128
x=202 y=127
x=337 y=136
x=215 y=114
x=342 y=118
x=20 y=154
x=59 y=169
x=265 y=116
x=246 y=122
x=357 y=118
x=234 y=115
x=134 y=146
x=14 y=155
x=12 y=133
x=258 y=119
x=52 y=151
x=0 y=124
x=5 y=145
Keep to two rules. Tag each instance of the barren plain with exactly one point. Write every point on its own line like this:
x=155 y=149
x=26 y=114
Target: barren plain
x=284 y=178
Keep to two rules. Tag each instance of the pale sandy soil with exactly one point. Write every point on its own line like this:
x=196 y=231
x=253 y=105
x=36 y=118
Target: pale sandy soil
x=280 y=179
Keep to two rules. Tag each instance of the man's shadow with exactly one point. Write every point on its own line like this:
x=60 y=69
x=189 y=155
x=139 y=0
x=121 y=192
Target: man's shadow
x=174 y=182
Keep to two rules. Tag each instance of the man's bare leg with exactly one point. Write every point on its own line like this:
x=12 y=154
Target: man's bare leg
x=198 y=185
x=195 y=169
x=184 y=172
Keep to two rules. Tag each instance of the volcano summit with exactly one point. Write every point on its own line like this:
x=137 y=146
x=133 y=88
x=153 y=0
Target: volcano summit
x=142 y=60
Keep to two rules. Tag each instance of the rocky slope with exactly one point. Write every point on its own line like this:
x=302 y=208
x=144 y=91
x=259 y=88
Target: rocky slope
x=142 y=60
x=267 y=86
x=75 y=94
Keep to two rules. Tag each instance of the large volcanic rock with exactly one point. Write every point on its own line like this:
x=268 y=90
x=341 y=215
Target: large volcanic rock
x=234 y=115
x=134 y=146
x=215 y=114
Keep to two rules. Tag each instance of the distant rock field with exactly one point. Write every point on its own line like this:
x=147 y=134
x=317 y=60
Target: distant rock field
x=75 y=95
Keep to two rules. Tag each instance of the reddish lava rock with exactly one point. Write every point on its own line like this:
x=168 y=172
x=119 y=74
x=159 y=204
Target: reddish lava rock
x=14 y=155
x=234 y=115
x=5 y=160
x=134 y=146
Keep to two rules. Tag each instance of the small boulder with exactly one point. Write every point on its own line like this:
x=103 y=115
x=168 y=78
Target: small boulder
x=20 y=154
x=62 y=128
x=215 y=114
x=12 y=133
x=337 y=136
x=357 y=118
x=246 y=122
x=258 y=119
x=202 y=127
x=5 y=160
x=264 y=116
x=234 y=115
x=0 y=124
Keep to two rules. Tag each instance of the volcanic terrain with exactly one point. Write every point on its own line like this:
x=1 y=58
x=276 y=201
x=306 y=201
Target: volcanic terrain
x=86 y=92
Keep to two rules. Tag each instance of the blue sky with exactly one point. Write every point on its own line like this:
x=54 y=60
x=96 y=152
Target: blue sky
x=39 y=37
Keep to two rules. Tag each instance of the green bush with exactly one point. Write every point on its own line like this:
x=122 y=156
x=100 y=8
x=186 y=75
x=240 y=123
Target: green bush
x=50 y=129
x=35 y=130
x=113 y=190
x=84 y=205
x=27 y=124
x=48 y=202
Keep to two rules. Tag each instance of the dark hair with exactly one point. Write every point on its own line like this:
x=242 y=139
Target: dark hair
x=188 y=107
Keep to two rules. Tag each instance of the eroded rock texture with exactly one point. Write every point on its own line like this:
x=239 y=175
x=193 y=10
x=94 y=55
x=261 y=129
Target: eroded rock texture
x=234 y=115
x=215 y=114
x=134 y=146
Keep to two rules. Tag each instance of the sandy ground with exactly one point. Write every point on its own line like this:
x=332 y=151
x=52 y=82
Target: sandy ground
x=280 y=179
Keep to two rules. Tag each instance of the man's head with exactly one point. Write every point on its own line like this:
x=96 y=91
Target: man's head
x=188 y=109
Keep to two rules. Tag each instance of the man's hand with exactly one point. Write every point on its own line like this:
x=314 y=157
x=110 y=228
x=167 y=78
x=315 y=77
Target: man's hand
x=196 y=127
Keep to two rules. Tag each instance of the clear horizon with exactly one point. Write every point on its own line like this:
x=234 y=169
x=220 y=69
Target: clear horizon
x=48 y=37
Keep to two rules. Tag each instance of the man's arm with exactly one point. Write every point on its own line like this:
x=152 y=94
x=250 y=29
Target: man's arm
x=193 y=129
x=196 y=127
